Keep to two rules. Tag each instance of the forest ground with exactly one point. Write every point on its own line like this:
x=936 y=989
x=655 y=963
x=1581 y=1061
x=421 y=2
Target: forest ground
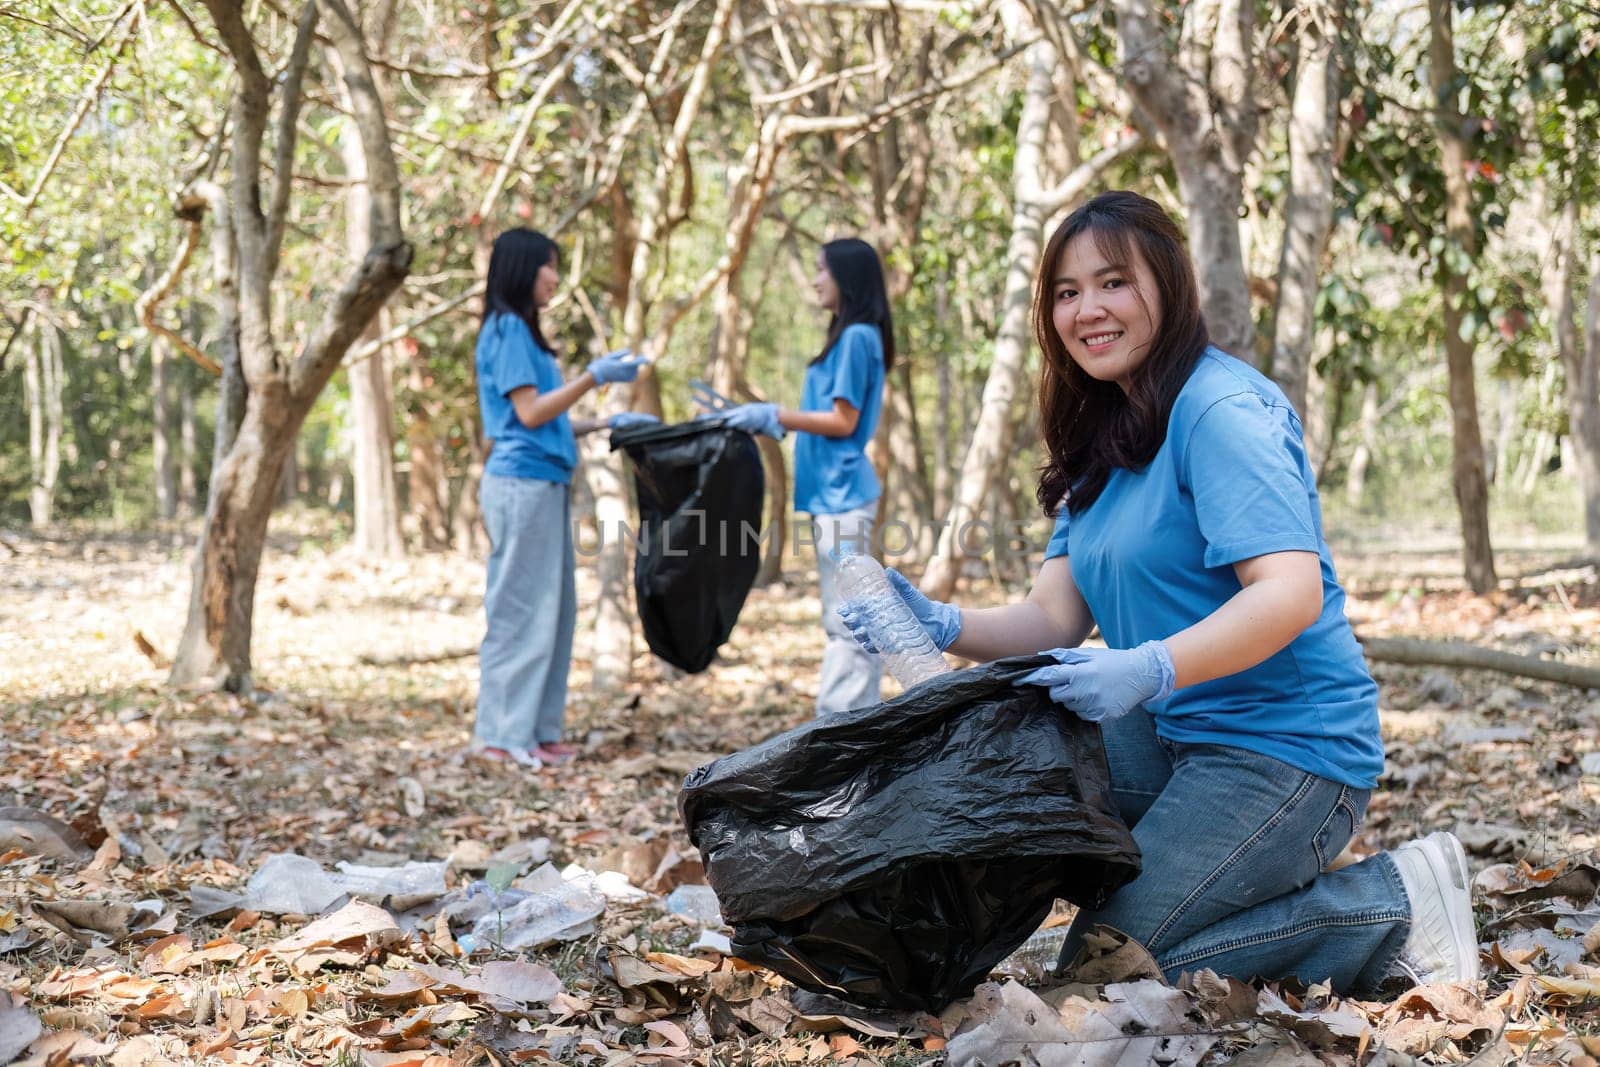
x=339 y=758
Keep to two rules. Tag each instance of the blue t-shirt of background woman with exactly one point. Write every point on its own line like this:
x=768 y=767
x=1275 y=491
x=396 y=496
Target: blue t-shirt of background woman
x=833 y=474
x=1154 y=555
x=508 y=358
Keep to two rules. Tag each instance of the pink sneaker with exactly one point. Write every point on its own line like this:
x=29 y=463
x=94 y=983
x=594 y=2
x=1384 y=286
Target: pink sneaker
x=555 y=753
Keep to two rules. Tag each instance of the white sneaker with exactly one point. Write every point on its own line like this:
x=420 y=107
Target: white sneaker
x=1443 y=944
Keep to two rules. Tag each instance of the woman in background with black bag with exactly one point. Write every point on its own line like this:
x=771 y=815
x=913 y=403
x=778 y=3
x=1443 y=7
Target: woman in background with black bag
x=834 y=482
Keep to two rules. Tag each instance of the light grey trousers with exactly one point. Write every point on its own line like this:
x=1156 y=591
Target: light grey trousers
x=532 y=606
x=851 y=676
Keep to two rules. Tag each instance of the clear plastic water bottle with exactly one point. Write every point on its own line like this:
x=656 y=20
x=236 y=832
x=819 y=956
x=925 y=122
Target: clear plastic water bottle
x=907 y=650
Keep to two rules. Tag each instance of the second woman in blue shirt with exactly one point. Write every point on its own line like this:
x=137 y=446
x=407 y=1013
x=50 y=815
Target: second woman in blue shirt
x=834 y=482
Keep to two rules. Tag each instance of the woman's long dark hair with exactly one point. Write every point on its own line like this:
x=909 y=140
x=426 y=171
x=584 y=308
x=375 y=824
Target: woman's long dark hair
x=1091 y=427
x=863 y=297
x=517 y=258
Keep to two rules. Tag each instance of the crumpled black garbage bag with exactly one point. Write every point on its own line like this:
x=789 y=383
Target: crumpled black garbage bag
x=700 y=489
x=892 y=855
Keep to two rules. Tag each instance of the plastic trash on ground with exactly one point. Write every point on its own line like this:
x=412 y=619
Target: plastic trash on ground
x=700 y=489
x=892 y=855
x=697 y=903
x=291 y=884
x=542 y=908
x=400 y=888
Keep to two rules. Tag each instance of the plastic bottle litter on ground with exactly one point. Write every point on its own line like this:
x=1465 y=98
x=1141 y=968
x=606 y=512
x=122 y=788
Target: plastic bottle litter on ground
x=907 y=651
x=697 y=902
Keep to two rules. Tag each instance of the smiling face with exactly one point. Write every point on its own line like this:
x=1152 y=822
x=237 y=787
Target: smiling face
x=545 y=283
x=827 y=289
x=1105 y=312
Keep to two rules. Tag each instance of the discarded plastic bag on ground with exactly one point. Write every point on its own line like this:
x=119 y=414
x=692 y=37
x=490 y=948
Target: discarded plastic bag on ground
x=700 y=489
x=400 y=888
x=892 y=855
x=540 y=909
x=288 y=883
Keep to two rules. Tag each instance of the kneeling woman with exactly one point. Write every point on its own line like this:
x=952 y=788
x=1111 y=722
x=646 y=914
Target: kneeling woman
x=1240 y=722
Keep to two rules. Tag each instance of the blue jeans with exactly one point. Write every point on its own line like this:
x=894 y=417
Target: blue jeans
x=531 y=602
x=1234 y=848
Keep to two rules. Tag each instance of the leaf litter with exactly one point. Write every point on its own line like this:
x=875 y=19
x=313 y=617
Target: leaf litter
x=320 y=873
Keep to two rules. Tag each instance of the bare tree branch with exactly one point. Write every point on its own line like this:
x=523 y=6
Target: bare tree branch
x=1088 y=172
x=519 y=136
x=146 y=306
x=288 y=132
x=867 y=121
x=811 y=86
x=250 y=108
x=194 y=30
x=371 y=348
x=84 y=104
x=388 y=256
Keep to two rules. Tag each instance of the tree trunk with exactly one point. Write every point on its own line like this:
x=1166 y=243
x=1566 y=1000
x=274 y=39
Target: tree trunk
x=1199 y=92
x=425 y=481
x=225 y=283
x=244 y=489
x=188 y=445
x=1540 y=450
x=987 y=451
x=42 y=371
x=1308 y=215
x=1580 y=359
x=467 y=532
x=910 y=499
x=289 y=477
x=163 y=455
x=1467 y=467
x=377 y=499
x=1355 y=484
x=730 y=336
x=941 y=436
x=613 y=639
x=1213 y=196
x=280 y=387
x=1583 y=408
x=1498 y=458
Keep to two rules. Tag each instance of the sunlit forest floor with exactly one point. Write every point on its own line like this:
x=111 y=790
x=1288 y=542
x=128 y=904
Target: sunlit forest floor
x=342 y=758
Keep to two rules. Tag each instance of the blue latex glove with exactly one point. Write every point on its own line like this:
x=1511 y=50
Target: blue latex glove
x=942 y=621
x=755 y=418
x=624 y=419
x=619 y=366
x=1103 y=683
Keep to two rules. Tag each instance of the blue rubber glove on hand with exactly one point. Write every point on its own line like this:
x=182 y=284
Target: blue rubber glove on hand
x=941 y=621
x=1102 y=683
x=755 y=418
x=624 y=419
x=619 y=366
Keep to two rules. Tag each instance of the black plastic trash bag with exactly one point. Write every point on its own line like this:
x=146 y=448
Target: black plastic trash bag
x=892 y=855
x=700 y=489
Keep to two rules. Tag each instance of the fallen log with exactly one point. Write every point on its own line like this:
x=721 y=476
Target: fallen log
x=407 y=659
x=1419 y=653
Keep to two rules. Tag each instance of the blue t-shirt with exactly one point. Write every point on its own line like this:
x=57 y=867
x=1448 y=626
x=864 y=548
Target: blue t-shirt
x=833 y=474
x=1153 y=555
x=509 y=358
